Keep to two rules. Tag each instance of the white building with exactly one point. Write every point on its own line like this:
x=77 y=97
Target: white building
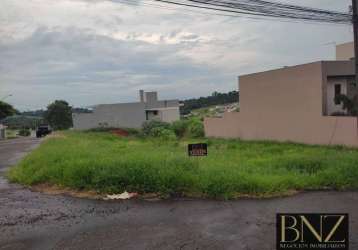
x=128 y=115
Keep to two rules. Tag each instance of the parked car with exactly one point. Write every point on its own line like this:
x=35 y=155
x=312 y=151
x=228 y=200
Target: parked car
x=43 y=130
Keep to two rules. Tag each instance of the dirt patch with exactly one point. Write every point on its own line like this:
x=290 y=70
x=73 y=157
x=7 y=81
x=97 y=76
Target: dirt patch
x=58 y=190
x=90 y=194
x=120 y=132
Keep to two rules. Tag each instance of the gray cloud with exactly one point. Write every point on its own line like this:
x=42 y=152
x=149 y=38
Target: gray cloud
x=87 y=68
x=90 y=52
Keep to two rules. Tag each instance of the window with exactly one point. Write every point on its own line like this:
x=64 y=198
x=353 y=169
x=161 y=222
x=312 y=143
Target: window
x=149 y=114
x=337 y=92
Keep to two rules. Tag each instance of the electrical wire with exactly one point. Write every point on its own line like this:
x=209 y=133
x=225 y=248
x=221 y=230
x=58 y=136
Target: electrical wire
x=259 y=8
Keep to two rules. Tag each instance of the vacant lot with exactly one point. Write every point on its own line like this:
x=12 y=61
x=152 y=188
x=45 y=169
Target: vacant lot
x=107 y=163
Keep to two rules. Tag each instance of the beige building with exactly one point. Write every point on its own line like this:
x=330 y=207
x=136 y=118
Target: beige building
x=128 y=115
x=292 y=104
x=345 y=51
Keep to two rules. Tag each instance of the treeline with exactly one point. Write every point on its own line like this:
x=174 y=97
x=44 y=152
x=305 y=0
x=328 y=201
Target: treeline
x=58 y=115
x=41 y=112
x=22 y=121
x=35 y=113
x=215 y=99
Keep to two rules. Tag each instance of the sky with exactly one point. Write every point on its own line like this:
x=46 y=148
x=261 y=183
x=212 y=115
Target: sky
x=90 y=52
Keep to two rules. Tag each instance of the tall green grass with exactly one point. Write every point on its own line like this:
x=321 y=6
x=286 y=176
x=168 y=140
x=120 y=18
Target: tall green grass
x=107 y=163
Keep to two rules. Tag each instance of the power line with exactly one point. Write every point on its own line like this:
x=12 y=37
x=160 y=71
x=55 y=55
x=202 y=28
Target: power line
x=216 y=12
x=259 y=8
x=275 y=8
x=157 y=6
x=191 y=10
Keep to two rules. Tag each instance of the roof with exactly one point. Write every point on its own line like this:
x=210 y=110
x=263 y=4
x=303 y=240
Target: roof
x=331 y=68
x=149 y=109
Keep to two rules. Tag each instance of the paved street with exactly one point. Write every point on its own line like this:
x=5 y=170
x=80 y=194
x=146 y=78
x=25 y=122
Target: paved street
x=31 y=220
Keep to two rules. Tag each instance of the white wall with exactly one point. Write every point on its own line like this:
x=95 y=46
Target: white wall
x=128 y=115
x=169 y=114
x=124 y=115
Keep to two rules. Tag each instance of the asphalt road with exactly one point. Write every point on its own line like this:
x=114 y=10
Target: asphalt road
x=31 y=220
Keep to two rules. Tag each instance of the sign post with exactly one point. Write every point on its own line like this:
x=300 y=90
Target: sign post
x=199 y=149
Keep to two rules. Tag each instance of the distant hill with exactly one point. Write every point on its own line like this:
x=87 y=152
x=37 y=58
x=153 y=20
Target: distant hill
x=203 y=102
x=81 y=110
x=41 y=112
x=214 y=111
x=37 y=113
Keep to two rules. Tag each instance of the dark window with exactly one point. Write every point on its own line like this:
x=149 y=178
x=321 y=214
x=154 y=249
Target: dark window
x=337 y=92
x=150 y=113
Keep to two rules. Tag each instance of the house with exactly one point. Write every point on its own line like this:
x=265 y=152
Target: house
x=293 y=104
x=128 y=115
x=345 y=51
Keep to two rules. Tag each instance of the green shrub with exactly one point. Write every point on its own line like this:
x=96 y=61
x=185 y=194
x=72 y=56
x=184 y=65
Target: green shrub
x=133 y=131
x=163 y=133
x=192 y=128
x=24 y=132
x=108 y=163
x=180 y=127
x=196 y=128
x=150 y=125
x=154 y=128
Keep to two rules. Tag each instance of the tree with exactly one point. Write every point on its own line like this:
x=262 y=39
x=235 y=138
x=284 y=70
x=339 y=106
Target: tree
x=59 y=115
x=6 y=110
x=349 y=104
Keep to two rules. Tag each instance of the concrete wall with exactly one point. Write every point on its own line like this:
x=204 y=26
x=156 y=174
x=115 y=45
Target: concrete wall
x=124 y=115
x=345 y=51
x=151 y=97
x=163 y=104
x=284 y=105
x=84 y=121
x=169 y=114
x=227 y=126
x=128 y=115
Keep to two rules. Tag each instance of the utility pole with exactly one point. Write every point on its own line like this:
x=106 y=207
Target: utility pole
x=355 y=31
